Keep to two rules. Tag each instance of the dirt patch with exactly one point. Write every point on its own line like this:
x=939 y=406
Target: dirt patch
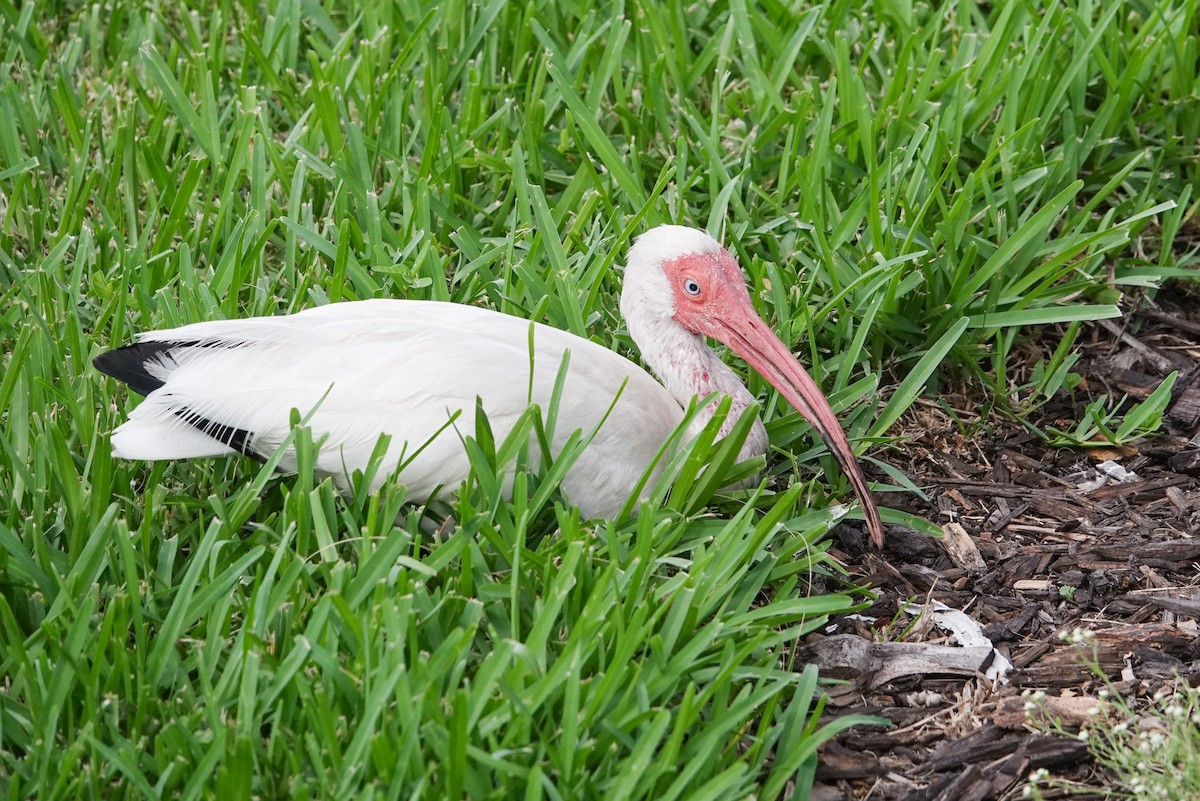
x=1040 y=542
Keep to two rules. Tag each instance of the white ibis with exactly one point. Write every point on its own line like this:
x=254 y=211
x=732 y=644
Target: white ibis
x=405 y=367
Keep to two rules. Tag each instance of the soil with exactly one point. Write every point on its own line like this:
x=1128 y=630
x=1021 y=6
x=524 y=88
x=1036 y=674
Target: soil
x=1040 y=541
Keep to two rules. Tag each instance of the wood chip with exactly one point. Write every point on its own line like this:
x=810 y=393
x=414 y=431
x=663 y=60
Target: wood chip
x=1175 y=321
x=1185 y=607
x=1154 y=578
x=839 y=762
x=1033 y=585
x=1187 y=462
x=1171 y=551
x=1159 y=359
x=1185 y=409
x=962 y=549
x=1068 y=666
x=849 y=656
x=1031 y=654
x=1070 y=710
x=1137 y=488
x=1179 y=500
x=1134 y=384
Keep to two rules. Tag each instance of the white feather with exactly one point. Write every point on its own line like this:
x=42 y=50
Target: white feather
x=164 y=439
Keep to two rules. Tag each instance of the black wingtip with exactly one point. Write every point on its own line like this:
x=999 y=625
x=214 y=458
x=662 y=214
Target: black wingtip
x=128 y=364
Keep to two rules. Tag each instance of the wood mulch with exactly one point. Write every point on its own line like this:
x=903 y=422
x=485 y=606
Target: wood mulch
x=1038 y=542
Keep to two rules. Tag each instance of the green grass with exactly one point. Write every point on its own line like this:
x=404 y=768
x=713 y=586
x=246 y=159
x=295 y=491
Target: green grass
x=907 y=186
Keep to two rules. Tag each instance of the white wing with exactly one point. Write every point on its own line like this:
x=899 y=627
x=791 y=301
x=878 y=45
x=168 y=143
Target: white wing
x=403 y=368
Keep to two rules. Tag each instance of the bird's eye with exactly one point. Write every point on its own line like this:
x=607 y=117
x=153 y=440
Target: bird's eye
x=691 y=286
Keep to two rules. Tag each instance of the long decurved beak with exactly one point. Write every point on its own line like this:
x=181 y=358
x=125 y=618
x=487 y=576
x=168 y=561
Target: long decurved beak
x=749 y=337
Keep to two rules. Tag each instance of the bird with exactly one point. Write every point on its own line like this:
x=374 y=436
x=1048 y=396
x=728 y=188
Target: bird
x=415 y=370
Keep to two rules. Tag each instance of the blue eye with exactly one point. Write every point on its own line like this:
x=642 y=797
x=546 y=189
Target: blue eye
x=691 y=287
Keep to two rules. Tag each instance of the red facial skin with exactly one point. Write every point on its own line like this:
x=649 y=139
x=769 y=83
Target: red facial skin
x=721 y=309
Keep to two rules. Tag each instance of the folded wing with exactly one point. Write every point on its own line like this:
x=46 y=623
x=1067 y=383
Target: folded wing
x=403 y=368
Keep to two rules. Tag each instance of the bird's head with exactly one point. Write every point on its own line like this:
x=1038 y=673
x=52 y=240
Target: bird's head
x=681 y=274
x=685 y=275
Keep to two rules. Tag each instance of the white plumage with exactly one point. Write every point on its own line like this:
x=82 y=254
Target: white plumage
x=403 y=368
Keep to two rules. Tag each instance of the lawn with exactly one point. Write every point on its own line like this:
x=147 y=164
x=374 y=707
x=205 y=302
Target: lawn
x=910 y=187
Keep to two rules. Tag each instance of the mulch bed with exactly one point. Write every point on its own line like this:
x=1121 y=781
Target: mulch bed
x=1039 y=542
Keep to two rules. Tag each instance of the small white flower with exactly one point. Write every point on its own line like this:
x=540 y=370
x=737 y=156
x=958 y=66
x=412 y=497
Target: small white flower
x=1081 y=636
